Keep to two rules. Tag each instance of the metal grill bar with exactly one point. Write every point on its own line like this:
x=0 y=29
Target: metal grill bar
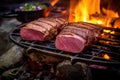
x=91 y=56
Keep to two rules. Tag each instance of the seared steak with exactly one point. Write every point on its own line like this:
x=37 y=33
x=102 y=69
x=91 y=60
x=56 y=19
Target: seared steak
x=42 y=29
x=75 y=36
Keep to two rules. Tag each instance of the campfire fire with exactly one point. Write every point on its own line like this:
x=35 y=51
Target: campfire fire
x=53 y=2
x=41 y=59
x=90 y=11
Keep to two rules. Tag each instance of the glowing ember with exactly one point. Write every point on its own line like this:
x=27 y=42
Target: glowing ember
x=106 y=31
x=89 y=11
x=109 y=31
x=106 y=56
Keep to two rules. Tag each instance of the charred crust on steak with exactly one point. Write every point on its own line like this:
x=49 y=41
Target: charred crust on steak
x=48 y=28
x=49 y=22
x=37 y=23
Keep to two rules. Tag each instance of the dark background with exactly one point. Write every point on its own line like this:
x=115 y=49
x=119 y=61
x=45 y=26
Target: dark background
x=111 y=4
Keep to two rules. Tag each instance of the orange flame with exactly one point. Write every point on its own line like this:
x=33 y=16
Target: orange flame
x=53 y=2
x=89 y=11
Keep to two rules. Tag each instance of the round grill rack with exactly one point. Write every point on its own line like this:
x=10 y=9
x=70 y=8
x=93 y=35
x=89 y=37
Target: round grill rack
x=92 y=55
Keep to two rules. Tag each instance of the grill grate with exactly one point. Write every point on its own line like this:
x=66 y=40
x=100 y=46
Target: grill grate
x=108 y=43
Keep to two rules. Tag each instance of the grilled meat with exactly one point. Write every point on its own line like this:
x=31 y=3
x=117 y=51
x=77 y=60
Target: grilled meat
x=42 y=29
x=76 y=36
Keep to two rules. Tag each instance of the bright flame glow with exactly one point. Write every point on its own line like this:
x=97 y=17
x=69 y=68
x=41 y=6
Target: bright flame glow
x=109 y=16
x=99 y=22
x=53 y=2
x=106 y=31
x=109 y=31
x=106 y=56
x=81 y=10
x=89 y=11
x=112 y=32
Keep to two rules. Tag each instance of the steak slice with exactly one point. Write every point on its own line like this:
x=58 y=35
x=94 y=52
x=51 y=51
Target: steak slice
x=70 y=43
x=75 y=37
x=41 y=29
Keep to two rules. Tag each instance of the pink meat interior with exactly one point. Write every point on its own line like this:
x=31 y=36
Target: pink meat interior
x=69 y=44
x=30 y=34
